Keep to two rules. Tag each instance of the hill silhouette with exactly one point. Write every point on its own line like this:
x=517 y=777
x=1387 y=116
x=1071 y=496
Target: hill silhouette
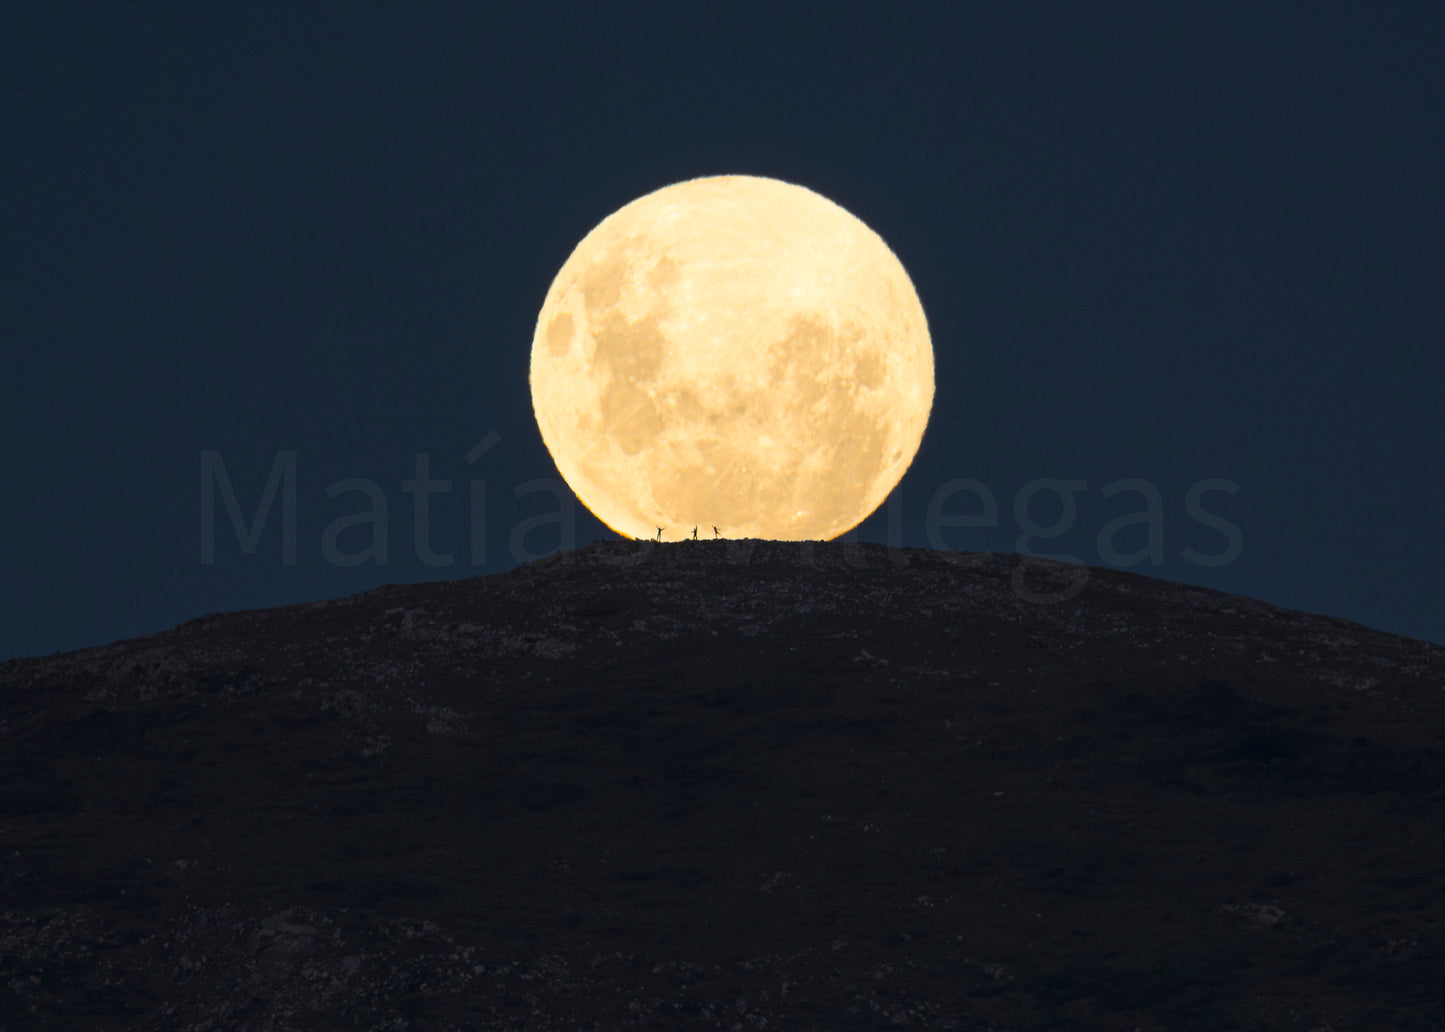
x=731 y=785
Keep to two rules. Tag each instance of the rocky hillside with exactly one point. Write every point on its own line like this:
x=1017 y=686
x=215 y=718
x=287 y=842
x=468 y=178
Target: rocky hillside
x=731 y=785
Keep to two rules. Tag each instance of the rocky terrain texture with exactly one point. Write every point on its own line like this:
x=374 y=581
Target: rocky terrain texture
x=731 y=785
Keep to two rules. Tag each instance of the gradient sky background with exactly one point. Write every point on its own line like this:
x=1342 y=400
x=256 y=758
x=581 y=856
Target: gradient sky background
x=1153 y=241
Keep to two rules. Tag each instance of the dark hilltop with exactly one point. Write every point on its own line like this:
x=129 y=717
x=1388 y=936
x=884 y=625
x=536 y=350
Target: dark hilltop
x=731 y=785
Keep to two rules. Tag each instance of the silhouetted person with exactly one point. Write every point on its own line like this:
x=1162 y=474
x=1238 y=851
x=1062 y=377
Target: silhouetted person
x=714 y=530
x=659 y=533
x=694 y=533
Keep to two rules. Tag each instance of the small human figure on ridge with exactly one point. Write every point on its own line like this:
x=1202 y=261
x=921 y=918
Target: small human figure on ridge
x=659 y=533
x=694 y=533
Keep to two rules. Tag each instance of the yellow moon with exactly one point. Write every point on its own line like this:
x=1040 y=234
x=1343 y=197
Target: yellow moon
x=733 y=352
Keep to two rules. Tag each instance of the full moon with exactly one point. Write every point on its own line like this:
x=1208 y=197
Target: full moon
x=732 y=352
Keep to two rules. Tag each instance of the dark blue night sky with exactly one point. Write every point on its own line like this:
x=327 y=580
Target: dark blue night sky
x=1198 y=248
